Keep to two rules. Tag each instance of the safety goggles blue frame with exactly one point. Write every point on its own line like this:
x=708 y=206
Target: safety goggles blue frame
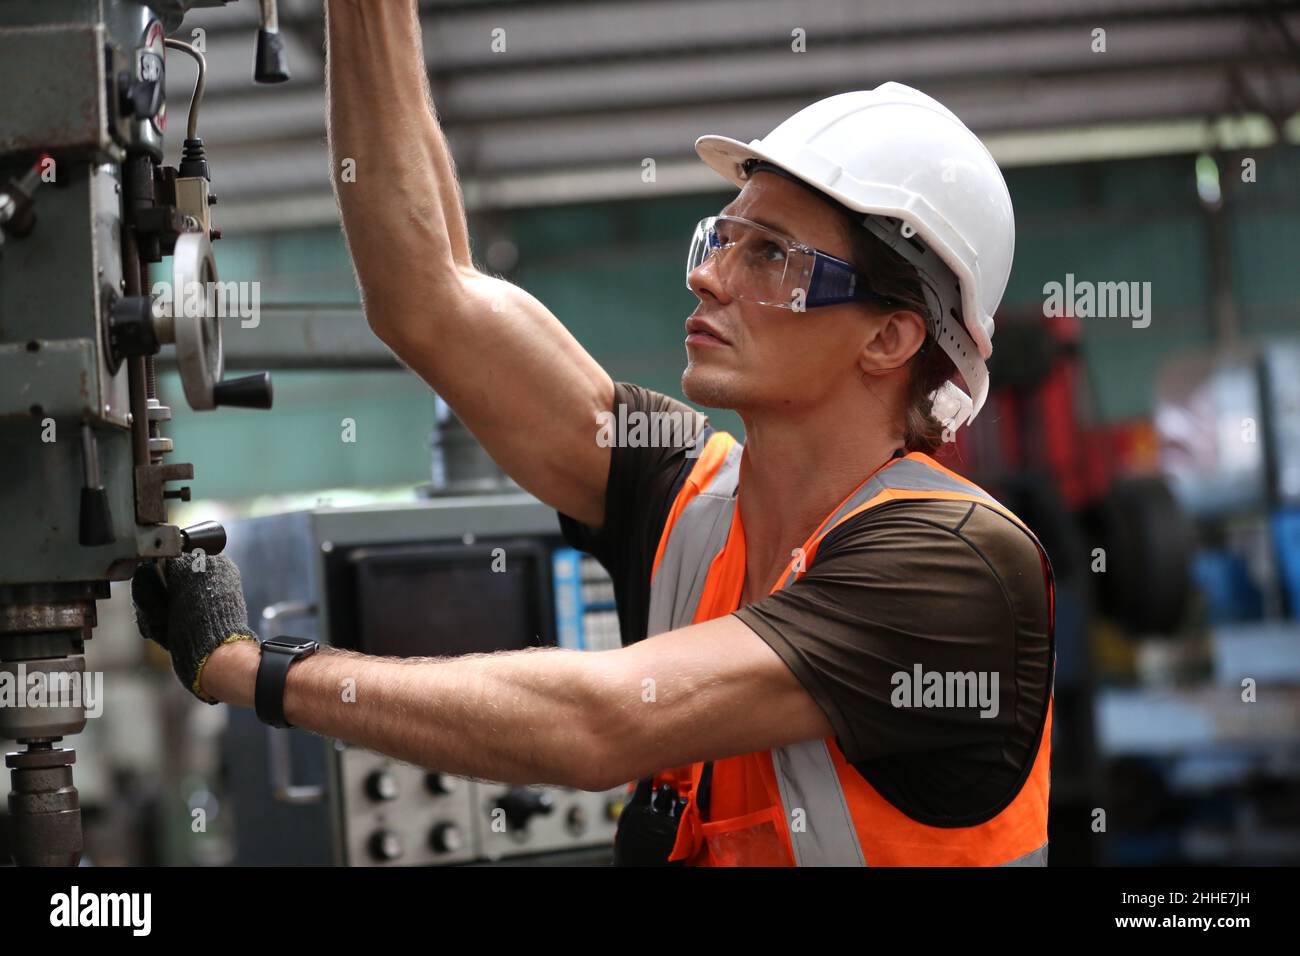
x=823 y=279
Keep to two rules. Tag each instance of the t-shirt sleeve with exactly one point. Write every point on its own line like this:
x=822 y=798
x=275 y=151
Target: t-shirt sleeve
x=922 y=630
x=651 y=435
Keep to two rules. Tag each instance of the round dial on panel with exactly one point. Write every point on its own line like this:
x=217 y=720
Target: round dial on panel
x=382 y=785
x=521 y=804
x=446 y=838
x=441 y=784
x=385 y=846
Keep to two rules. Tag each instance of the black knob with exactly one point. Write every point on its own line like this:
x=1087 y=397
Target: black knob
x=440 y=784
x=96 y=524
x=208 y=536
x=446 y=838
x=139 y=98
x=270 y=65
x=382 y=785
x=521 y=804
x=250 y=391
x=131 y=328
x=385 y=846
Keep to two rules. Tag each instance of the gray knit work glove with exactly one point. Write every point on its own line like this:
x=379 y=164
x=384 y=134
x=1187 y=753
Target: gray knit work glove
x=193 y=614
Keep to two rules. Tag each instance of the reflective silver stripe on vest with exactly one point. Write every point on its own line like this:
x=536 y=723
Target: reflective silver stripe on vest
x=697 y=537
x=816 y=810
x=1033 y=858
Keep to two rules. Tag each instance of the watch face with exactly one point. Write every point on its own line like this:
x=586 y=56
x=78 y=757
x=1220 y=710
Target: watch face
x=291 y=644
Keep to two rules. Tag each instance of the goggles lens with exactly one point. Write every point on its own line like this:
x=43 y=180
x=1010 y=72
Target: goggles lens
x=753 y=263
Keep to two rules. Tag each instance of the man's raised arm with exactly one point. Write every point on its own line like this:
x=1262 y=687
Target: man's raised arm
x=507 y=367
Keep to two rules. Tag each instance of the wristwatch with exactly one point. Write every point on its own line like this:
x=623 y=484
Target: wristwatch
x=278 y=655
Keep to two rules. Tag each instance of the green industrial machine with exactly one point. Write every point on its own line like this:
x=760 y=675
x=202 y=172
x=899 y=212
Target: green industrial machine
x=86 y=205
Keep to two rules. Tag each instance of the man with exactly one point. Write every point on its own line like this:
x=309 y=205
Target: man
x=851 y=660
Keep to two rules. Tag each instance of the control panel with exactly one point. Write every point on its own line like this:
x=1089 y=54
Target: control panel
x=439 y=578
x=396 y=814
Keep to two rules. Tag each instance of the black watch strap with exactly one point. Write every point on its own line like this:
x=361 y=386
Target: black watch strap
x=278 y=655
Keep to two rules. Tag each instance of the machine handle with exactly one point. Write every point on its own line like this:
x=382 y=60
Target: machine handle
x=209 y=536
x=277 y=744
x=250 y=391
x=95 y=518
x=270 y=64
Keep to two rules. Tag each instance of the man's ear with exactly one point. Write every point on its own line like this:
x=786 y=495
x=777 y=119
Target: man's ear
x=899 y=335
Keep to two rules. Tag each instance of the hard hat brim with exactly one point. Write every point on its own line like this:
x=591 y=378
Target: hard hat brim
x=727 y=156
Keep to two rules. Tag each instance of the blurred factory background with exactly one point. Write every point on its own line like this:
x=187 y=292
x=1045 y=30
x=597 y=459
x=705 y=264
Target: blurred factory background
x=1160 y=465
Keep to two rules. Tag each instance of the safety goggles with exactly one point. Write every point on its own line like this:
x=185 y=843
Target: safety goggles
x=758 y=264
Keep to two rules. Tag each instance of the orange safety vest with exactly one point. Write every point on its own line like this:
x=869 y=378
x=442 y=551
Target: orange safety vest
x=805 y=804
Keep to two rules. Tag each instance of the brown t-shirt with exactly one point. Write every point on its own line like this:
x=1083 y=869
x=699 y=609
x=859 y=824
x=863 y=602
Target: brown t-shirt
x=894 y=604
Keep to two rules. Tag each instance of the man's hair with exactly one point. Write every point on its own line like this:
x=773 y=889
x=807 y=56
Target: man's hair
x=890 y=275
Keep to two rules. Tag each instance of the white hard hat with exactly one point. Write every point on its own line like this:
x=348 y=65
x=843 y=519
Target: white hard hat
x=928 y=188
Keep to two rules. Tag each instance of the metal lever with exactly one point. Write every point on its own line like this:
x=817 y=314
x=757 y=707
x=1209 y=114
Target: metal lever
x=207 y=536
x=270 y=65
x=248 y=391
x=96 y=518
x=277 y=744
x=17 y=217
